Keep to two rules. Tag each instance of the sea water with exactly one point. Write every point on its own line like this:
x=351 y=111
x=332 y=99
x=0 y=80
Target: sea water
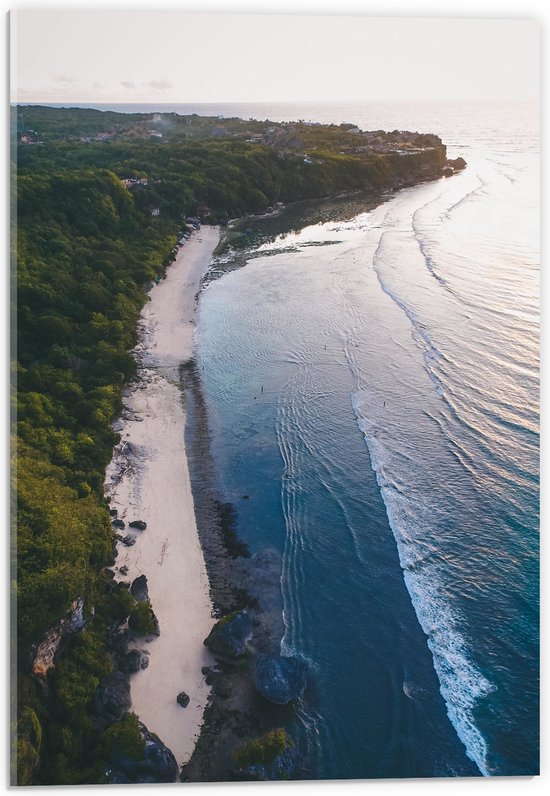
x=372 y=382
x=371 y=376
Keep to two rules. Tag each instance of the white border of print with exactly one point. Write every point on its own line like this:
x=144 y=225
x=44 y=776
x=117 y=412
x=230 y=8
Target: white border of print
x=527 y=9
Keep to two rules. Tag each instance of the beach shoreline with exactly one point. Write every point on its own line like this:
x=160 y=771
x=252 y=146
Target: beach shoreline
x=148 y=480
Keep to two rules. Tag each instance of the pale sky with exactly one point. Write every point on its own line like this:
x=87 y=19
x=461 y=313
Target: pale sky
x=173 y=57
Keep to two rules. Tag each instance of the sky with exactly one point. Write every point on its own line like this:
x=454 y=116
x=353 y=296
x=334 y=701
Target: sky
x=168 y=56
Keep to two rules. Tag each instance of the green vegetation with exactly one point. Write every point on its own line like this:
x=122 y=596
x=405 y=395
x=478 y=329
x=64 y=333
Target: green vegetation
x=142 y=619
x=125 y=737
x=84 y=255
x=262 y=751
x=86 y=247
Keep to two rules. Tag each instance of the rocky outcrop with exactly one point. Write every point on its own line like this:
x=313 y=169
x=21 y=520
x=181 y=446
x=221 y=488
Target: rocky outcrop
x=280 y=679
x=47 y=649
x=112 y=698
x=182 y=699
x=139 y=524
x=230 y=636
x=457 y=163
x=134 y=660
x=271 y=757
x=158 y=764
x=139 y=589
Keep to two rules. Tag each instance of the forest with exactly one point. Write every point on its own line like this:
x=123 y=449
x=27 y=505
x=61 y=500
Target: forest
x=86 y=245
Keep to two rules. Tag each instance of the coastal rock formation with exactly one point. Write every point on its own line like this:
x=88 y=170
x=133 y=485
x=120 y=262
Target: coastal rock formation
x=139 y=589
x=271 y=757
x=158 y=764
x=112 y=698
x=46 y=650
x=457 y=163
x=135 y=660
x=119 y=524
x=182 y=699
x=281 y=680
x=223 y=687
x=230 y=635
x=139 y=524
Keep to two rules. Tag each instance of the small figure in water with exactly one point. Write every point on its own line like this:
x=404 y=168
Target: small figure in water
x=325 y=348
x=262 y=388
x=384 y=403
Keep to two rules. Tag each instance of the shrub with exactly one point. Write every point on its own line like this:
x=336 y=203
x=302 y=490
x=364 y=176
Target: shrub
x=142 y=620
x=124 y=738
x=264 y=750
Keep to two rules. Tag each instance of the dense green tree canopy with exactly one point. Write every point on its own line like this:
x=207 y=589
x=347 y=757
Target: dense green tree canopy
x=87 y=245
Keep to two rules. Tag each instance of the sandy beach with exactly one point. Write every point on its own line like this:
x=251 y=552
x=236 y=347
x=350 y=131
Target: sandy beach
x=148 y=479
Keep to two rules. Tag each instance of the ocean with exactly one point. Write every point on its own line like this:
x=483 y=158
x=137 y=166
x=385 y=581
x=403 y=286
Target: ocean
x=371 y=374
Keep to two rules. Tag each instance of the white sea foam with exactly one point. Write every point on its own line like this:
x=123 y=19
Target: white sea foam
x=462 y=684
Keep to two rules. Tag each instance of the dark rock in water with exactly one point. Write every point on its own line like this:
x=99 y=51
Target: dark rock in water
x=119 y=524
x=182 y=699
x=113 y=512
x=245 y=497
x=157 y=765
x=230 y=635
x=280 y=679
x=127 y=540
x=113 y=697
x=139 y=524
x=123 y=570
x=134 y=661
x=139 y=589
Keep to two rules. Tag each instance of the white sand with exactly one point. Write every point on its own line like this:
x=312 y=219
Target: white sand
x=148 y=480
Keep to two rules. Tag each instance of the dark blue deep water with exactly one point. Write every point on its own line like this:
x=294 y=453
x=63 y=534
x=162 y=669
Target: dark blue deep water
x=392 y=456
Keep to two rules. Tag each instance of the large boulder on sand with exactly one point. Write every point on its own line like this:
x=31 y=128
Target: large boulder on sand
x=457 y=164
x=139 y=589
x=280 y=679
x=230 y=635
x=135 y=660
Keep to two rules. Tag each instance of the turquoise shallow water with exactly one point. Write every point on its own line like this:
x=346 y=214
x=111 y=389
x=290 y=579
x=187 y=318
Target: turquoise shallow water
x=392 y=456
